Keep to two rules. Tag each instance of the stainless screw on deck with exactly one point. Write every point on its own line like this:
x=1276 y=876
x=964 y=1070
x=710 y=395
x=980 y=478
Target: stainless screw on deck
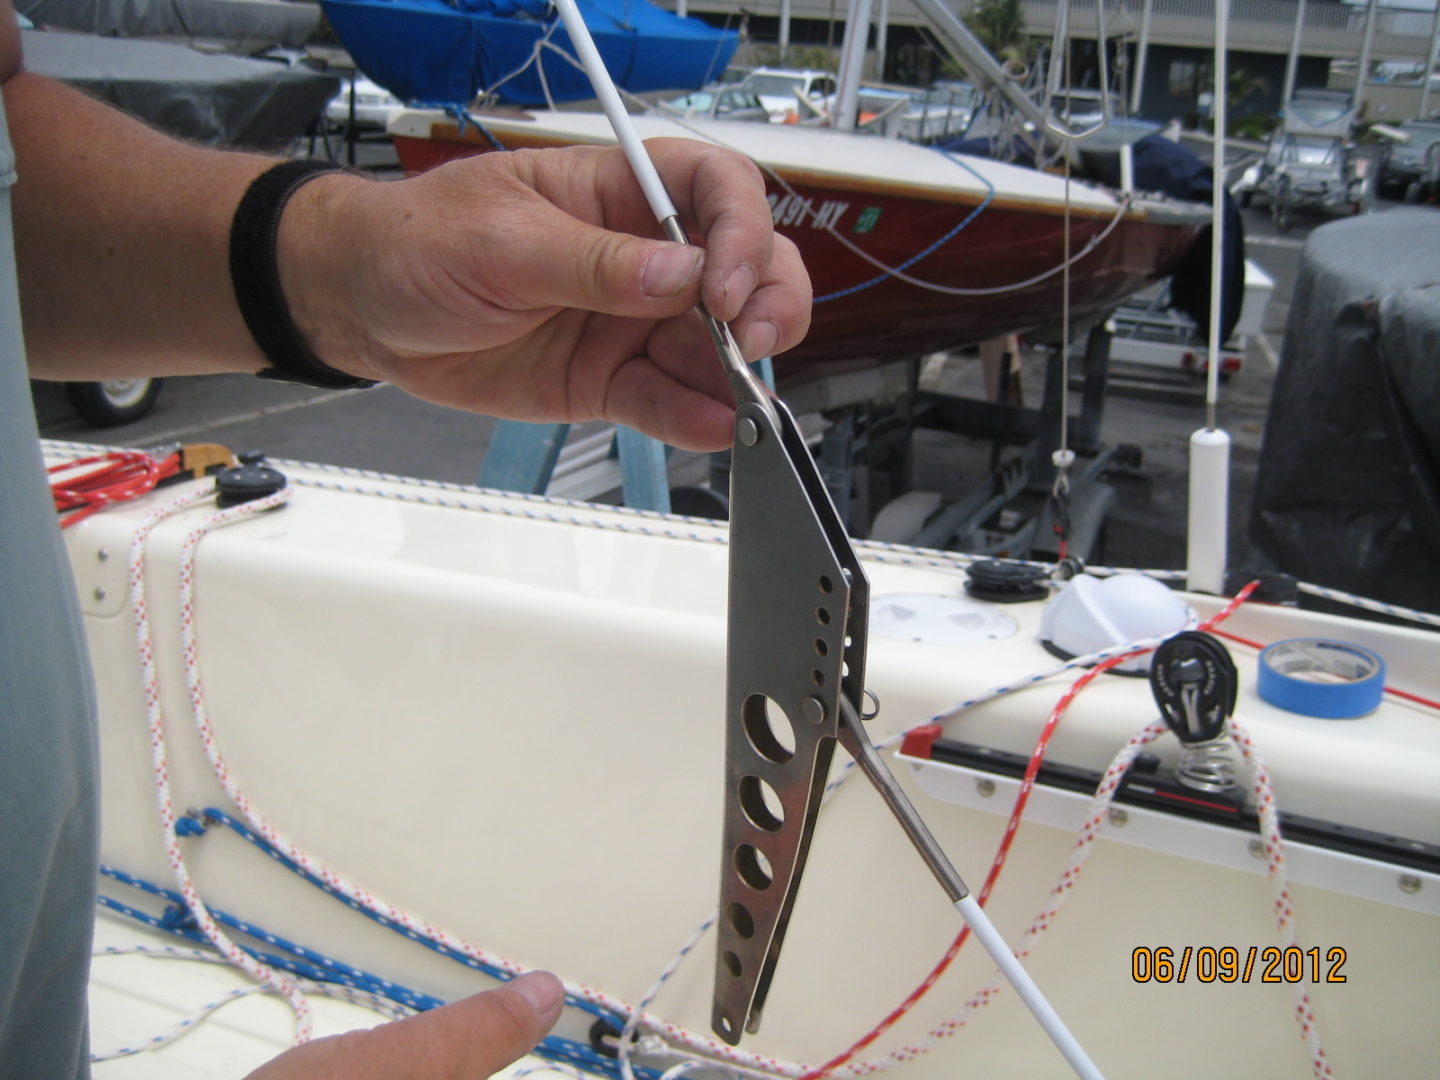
x=1409 y=883
x=100 y=592
x=985 y=787
x=1117 y=817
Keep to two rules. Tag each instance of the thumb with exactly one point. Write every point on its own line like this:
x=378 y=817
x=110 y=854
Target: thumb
x=569 y=263
x=466 y=1040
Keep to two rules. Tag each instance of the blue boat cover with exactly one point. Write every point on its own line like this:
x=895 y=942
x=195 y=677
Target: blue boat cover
x=436 y=53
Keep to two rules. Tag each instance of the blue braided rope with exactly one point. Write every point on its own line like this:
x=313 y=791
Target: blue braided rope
x=322 y=969
x=295 y=958
x=219 y=817
x=989 y=197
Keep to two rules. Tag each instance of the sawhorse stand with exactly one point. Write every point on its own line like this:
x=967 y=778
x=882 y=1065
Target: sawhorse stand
x=522 y=458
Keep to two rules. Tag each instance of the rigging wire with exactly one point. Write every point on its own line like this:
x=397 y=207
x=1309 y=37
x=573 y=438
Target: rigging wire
x=1124 y=203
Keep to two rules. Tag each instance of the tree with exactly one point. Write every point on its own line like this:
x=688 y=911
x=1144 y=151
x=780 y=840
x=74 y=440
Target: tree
x=1000 y=26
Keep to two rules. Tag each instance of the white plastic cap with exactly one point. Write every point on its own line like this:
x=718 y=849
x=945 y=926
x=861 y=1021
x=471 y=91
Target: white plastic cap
x=1093 y=613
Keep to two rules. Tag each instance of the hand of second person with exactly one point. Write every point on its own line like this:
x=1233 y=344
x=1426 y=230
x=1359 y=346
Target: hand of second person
x=465 y=1040
x=533 y=285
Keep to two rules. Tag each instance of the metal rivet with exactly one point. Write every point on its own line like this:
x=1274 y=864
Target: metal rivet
x=1409 y=883
x=100 y=592
x=1117 y=817
x=985 y=787
x=102 y=554
x=747 y=432
x=1257 y=849
x=813 y=709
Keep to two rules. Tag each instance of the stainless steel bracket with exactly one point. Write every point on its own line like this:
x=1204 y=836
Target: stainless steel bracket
x=797 y=622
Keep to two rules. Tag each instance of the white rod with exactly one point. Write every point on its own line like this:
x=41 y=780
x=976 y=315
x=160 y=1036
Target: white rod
x=882 y=31
x=1142 y=50
x=857 y=36
x=1209 y=494
x=1362 y=73
x=589 y=57
x=1208 y=524
x=1293 y=63
x=1430 y=63
x=1220 y=113
x=981 y=926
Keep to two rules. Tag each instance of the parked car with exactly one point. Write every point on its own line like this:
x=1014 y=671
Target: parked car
x=1307 y=174
x=1082 y=108
x=1308 y=165
x=112 y=403
x=1403 y=168
x=374 y=105
x=777 y=89
x=719 y=102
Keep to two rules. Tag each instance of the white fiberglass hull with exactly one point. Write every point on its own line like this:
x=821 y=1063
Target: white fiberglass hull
x=504 y=715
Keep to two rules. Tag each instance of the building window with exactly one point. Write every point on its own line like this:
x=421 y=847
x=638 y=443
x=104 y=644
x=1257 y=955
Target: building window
x=1184 y=79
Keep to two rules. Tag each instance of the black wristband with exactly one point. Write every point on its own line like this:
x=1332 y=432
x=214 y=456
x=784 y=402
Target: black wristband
x=255 y=274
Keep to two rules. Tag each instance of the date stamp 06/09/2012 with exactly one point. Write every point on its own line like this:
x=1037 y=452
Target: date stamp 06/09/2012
x=1237 y=964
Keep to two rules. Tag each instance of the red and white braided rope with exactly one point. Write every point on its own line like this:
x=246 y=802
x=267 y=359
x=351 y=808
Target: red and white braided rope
x=1275 y=869
x=1085 y=840
x=261 y=973
x=699 y=1044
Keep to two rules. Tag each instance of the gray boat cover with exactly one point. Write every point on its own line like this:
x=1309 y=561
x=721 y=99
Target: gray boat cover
x=1348 y=489
x=243 y=25
x=221 y=100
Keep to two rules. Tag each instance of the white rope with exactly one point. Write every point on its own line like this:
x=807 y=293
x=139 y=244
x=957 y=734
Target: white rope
x=1264 y=796
x=261 y=973
x=708 y=1047
x=390 y=1010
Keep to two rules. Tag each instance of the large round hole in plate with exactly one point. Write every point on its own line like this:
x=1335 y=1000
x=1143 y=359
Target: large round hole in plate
x=770 y=731
x=741 y=921
x=761 y=804
x=753 y=867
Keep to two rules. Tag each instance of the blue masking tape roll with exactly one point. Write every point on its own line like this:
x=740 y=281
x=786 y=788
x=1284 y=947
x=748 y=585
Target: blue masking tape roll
x=1333 y=680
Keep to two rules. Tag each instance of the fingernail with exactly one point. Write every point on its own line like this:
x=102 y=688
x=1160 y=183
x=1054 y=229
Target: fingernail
x=669 y=269
x=738 y=286
x=760 y=340
x=543 y=991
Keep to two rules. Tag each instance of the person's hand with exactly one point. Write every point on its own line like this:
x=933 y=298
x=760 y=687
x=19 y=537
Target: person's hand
x=467 y=1040
x=534 y=285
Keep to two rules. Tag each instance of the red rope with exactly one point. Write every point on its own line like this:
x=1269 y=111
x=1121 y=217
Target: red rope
x=1032 y=769
x=88 y=484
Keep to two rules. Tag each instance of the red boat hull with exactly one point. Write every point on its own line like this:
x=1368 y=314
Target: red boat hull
x=995 y=268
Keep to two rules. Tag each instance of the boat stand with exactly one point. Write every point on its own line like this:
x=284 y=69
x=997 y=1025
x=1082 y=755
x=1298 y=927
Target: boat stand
x=873 y=430
x=596 y=460
x=527 y=458
x=901 y=455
